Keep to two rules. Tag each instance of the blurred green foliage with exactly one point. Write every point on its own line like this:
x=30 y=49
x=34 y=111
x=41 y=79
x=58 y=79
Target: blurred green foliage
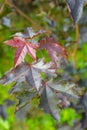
x=4 y=125
x=68 y=116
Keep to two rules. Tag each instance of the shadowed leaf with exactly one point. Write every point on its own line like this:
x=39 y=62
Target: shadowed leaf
x=29 y=73
x=67 y=88
x=76 y=9
x=33 y=78
x=43 y=102
x=15 y=74
x=53 y=102
x=54 y=49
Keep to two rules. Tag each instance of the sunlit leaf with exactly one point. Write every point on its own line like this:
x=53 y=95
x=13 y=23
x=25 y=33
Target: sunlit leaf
x=29 y=33
x=23 y=47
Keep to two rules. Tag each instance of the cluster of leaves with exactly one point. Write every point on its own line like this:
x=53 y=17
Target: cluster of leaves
x=28 y=76
x=39 y=80
x=24 y=42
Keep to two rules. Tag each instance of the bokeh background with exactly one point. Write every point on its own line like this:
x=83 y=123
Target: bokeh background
x=50 y=15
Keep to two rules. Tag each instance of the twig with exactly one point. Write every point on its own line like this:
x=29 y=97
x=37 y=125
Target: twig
x=76 y=46
x=19 y=11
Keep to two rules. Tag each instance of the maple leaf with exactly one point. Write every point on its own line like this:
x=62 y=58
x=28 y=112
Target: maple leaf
x=29 y=33
x=75 y=8
x=68 y=88
x=23 y=47
x=44 y=67
x=29 y=73
x=52 y=102
x=54 y=49
x=56 y=95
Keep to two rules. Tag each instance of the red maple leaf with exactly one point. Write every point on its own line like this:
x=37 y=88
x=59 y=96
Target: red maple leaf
x=23 y=47
x=53 y=48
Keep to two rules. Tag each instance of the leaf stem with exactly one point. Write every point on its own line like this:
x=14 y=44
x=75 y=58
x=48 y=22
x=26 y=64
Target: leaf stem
x=76 y=46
